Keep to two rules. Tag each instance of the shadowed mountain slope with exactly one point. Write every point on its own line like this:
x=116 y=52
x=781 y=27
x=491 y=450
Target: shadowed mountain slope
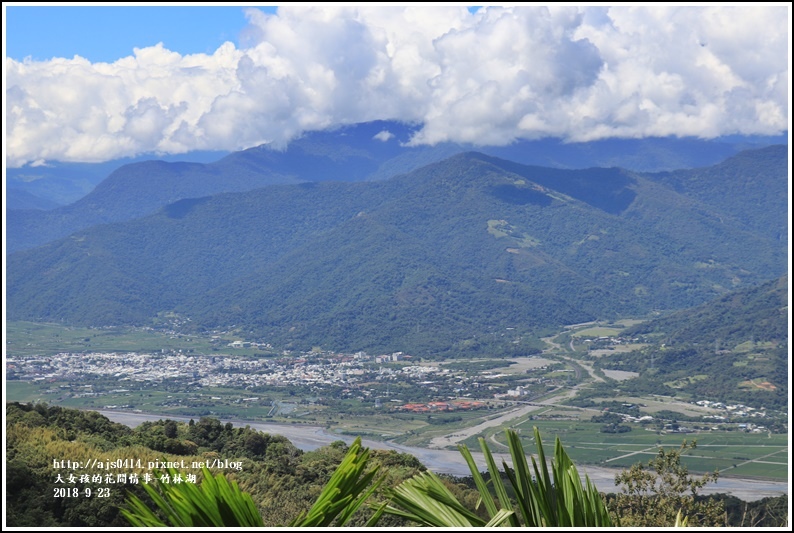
x=441 y=259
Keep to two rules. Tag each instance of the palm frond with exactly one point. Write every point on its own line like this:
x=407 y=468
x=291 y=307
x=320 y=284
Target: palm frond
x=555 y=498
x=214 y=503
x=425 y=500
x=348 y=489
x=219 y=503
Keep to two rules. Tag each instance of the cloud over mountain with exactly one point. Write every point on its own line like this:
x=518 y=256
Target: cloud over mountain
x=485 y=78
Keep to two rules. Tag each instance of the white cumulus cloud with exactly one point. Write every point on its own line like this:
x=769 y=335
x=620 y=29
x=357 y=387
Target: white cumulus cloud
x=383 y=135
x=486 y=78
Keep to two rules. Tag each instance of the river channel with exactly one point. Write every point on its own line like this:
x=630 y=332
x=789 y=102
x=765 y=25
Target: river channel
x=309 y=438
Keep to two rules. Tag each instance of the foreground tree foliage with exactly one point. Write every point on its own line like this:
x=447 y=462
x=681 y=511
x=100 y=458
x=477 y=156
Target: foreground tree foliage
x=336 y=484
x=350 y=486
x=661 y=492
x=283 y=480
x=218 y=503
x=543 y=500
x=766 y=512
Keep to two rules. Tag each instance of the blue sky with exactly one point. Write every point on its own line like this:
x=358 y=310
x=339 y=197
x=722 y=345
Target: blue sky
x=105 y=34
x=98 y=83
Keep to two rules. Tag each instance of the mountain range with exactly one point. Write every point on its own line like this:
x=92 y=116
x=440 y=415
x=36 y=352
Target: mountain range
x=370 y=151
x=468 y=254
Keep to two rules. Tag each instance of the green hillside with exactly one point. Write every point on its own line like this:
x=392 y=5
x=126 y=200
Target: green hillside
x=756 y=314
x=438 y=260
x=745 y=188
x=733 y=349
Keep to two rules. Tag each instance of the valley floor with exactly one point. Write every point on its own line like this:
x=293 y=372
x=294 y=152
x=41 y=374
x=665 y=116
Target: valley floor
x=394 y=404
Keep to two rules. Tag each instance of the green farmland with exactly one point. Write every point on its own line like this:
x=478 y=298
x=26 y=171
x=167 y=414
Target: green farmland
x=31 y=338
x=732 y=453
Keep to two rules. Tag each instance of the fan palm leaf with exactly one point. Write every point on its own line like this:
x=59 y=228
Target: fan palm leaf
x=555 y=498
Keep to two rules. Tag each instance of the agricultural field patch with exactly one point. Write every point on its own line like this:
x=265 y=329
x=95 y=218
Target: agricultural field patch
x=552 y=413
x=30 y=338
x=522 y=364
x=733 y=453
x=758 y=469
x=628 y=322
x=503 y=229
x=598 y=331
x=618 y=348
x=24 y=391
x=620 y=375
x=651 y=405
x=757 y=384
x=750 y=346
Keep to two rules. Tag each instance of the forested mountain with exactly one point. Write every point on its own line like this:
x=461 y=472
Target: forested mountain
x=22 y=199
x=131 y=191
x=441 y=259
x=745 y=187
x=61 y=183
x=732 y=349
x=369 y=151
x=66 y=182
x=755 y=314
x=141 y=188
